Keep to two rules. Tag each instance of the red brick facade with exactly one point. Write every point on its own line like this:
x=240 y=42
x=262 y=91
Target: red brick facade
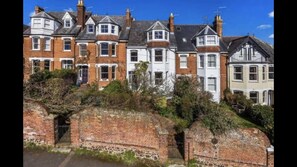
x=243 y=147
x=191 y=65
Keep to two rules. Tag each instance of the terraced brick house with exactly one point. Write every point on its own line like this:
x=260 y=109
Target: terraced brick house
x=103 y=48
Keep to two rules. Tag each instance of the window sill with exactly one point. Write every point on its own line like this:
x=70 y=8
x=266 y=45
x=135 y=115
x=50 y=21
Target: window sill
x=106 y=80
x=183 y=67
x=35 y=49
x=66 y=50
x=251 y=81
x=237 y=81
x=103 y=55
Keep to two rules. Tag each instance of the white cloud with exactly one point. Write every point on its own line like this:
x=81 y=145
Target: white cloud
x=68 y=10
x=32 y=13
x=271 y=14
x=264 y=26
x=271 y=36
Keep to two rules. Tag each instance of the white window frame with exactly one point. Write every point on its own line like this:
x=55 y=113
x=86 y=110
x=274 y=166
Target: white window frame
x=253 y=73
x=264 y=96
x=113 y=73
x=64 y=41
x=269 y=72
x=158 y=34
x=150 y=35
x=83 y=50
x=237 y=73
x=209 y=84
x=209 y=41
x=47 y=23
x=33 y=43
x=133 y=56
x=113 y=29
x=45 y=44
x=36 y=23
x=210 y=62
x=256 y=98
x=201 y=41
x=114 y=49
x=66 y=64
x=201 y=61
x=102 y=27
x=183 y=61
x=264 y=73
x=90 y=27
x=159 y=55
x=158 y=81
x=104 y=49
x=66 y=21
x=49 y=65
x=105 y=73
x=34 y=67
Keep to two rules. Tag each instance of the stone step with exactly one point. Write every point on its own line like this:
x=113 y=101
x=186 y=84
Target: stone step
x=176 y=161
x=61 y=150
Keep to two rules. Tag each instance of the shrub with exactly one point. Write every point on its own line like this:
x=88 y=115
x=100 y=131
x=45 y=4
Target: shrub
x=218 y=121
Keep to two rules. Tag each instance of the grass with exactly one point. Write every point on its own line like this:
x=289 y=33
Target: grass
x=241 y=122
x=34 y=146
x=128 y=158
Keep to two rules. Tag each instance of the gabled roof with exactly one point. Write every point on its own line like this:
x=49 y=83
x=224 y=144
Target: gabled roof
x=59 y=15
x=138 y=33
x=157 y=26
x=90 y=21
x=234 y=43
x=119 y=20
x=43 y=14
x=68 y=13
x=186 y=32
x=206 y=31
x=108 y=19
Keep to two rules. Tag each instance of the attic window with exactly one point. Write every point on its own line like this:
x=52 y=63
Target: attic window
x=178 y=28
x=67 y=23
x=184 y=40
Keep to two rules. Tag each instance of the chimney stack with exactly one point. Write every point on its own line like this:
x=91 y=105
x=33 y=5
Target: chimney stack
x=38 y=9
x=171 y=23
x=128 y=18
x=81 y=13
x=218 y=25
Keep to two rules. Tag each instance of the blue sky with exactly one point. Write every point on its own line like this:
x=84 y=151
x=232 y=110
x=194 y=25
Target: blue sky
x=240 y=17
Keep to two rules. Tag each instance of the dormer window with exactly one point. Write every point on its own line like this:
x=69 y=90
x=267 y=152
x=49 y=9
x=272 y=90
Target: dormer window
x=36 y=23
x=150 y=35
x=104 y=28
x=201 y=40
x=47 y=23
x=211 y=40
x=90 y=28
x=67 y=23
x=112 y=29
x=158 y=35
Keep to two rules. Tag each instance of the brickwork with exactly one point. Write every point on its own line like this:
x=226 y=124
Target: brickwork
x=38 y=125
x=191 y=65
x=223 y=73
x=119 y=131
x=157 y=44
x=243 y=147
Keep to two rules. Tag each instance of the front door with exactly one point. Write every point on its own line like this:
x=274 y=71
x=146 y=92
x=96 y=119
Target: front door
x=83 y=74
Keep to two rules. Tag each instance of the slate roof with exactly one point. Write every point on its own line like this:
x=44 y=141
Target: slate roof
x=119 y=20
x=25 y=27
x=207 y=31
x=42 y=14
x=233 y=42
x=138 y=33
x=186 y=32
